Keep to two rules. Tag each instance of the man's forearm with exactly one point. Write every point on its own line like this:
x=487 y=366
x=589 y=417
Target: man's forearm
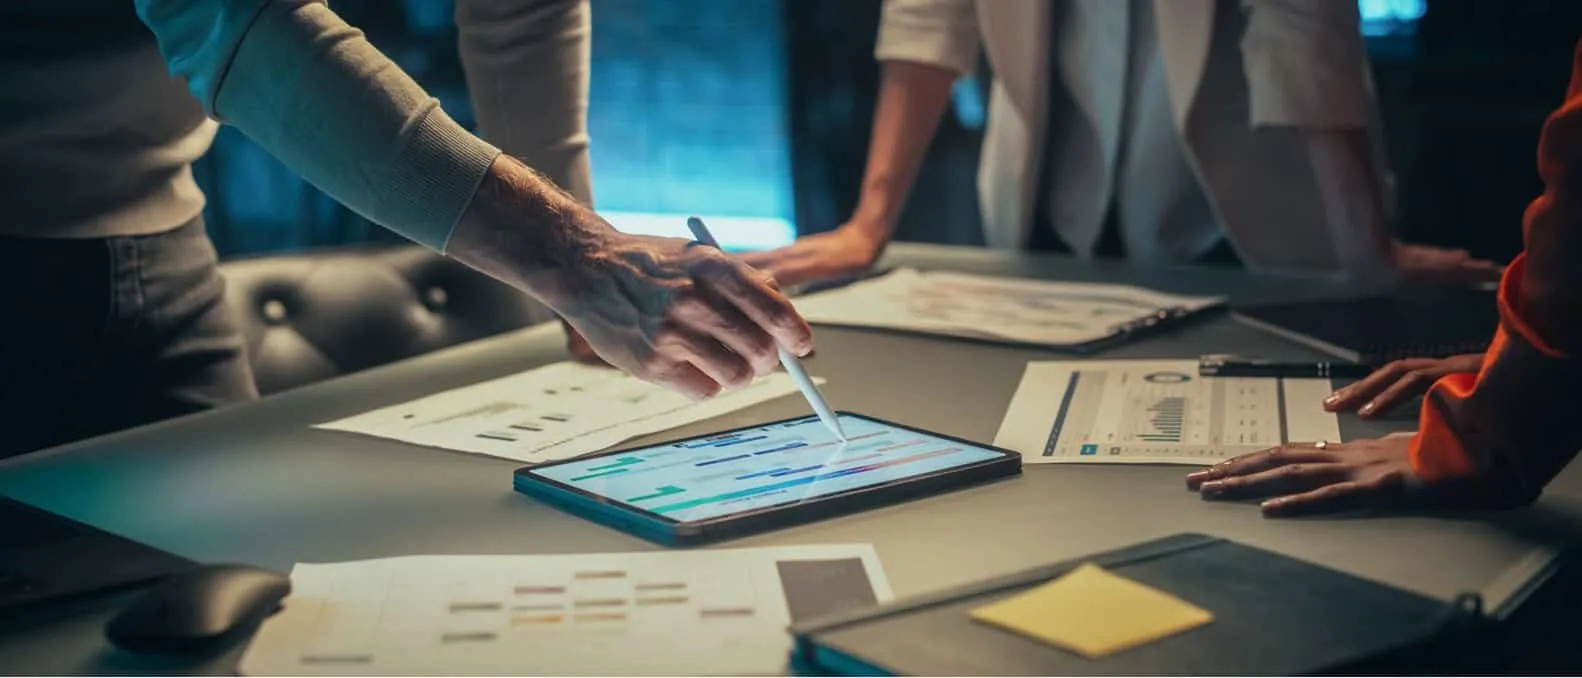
x=312 y=91
x=530 y=259
x=912 y=99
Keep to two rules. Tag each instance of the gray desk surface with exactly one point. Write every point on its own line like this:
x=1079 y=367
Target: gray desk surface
x=255 y=484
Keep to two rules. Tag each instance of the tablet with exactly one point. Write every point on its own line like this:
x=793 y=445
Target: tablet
x=761 y=477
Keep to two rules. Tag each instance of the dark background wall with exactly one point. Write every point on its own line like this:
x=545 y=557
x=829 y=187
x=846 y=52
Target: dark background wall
x=1464 y=111
x=687 y=116
x=761 y=108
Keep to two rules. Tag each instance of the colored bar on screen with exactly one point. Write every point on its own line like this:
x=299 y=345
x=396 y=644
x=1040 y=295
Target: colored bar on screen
x=739 y=441
x=739 y=494
x=782 y=448
x=661 y=492
x=600 y=474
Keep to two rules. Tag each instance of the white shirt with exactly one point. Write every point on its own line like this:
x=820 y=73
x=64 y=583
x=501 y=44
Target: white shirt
x=1107 y=52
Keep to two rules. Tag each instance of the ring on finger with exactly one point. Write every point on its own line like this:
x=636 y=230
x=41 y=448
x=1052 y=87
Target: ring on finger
x=1322 y=444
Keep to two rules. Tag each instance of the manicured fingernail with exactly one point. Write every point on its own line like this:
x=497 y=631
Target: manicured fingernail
x=1333 y=398
x=803 y=349
x=1367 y=409
x=1212 y=488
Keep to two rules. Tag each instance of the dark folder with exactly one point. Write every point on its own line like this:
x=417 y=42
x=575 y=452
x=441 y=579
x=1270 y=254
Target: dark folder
x=1434 y=323
x=1273 y=615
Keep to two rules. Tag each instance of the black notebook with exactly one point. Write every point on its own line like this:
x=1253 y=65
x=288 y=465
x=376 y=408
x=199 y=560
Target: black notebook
x=46 y=558
x=1273 y=615
x=1376 y=330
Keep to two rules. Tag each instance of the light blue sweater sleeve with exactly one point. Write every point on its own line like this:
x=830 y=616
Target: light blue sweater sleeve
x=312 y=91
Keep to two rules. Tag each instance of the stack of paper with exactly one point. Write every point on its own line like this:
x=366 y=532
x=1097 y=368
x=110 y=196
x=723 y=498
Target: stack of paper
x=554 y=412
x=1061 y=314
x=688 y=613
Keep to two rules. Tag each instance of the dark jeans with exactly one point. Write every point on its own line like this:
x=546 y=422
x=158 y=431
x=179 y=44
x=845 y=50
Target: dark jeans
x=110 y=333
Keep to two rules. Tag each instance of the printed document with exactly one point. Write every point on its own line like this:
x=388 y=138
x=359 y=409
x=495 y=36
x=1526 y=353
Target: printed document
x=992 y=308
x=651 y=613
x=1157 y=412
x=554 y=412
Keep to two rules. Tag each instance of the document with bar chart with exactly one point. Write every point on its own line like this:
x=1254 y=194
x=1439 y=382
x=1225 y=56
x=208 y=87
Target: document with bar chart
x=1157 y=412
x=716 y=612
x=554 y=412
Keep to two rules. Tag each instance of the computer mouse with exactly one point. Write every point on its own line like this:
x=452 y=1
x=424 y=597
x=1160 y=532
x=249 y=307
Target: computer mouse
x=194 y=610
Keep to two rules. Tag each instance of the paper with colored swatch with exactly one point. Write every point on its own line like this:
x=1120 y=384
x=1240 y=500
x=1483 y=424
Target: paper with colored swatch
x=716 y=612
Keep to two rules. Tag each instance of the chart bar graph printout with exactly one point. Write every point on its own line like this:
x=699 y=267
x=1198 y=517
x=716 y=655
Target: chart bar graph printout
x=771 y=465
x=654 y=613
x=1157 y=412
x=553 y=412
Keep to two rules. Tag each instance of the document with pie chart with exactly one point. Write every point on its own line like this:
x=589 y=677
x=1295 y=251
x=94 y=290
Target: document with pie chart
x=1157 y=412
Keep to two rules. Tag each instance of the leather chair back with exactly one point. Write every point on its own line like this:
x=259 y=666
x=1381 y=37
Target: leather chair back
x=312 y=316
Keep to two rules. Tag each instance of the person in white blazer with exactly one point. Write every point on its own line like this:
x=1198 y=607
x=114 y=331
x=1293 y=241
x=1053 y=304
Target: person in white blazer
x=1162 y=131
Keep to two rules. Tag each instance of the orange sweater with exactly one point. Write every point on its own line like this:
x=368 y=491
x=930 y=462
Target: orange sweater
x=1497 y=437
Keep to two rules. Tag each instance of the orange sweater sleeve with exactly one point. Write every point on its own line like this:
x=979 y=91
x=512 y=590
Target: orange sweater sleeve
x=1499 y=436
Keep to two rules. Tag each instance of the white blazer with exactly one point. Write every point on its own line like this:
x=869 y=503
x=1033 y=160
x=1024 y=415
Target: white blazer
x=1259 y=137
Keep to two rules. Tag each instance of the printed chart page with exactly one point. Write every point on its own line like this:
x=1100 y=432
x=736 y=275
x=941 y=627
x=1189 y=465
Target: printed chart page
x=1014 y=310
x=554 y=412
x=1157 y=412
x=718 y=612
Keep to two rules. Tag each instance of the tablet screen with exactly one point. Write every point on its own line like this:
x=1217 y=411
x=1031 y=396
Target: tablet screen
x=771 y=465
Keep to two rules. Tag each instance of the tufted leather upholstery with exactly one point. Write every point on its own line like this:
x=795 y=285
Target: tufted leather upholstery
x=309 y=317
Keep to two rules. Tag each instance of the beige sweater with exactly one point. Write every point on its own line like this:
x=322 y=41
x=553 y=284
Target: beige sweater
x=96 y=137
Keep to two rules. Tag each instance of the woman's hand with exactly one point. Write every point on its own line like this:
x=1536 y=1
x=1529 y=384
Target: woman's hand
x=1397 y=383
x=1309 y=478
x=1425 y=263
x=848 y=250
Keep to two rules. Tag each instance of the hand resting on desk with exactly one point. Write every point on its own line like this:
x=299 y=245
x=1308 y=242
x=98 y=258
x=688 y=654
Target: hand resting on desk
x=1397 y=383
x=845 y=251
x=1308 y=478
x=1425 y=263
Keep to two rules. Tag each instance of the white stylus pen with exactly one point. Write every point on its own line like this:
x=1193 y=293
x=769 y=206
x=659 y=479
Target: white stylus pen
x=790 y=362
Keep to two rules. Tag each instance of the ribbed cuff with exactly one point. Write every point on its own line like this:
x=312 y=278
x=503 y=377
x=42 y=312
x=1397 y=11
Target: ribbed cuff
x=1511 y=312
x=436 y=175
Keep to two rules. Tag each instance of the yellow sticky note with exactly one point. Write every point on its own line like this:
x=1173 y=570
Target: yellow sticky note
x=1094 y=613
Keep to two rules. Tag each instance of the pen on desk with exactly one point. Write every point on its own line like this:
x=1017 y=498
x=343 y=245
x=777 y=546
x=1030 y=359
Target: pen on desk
x=790 y=362
x=1216 y=366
